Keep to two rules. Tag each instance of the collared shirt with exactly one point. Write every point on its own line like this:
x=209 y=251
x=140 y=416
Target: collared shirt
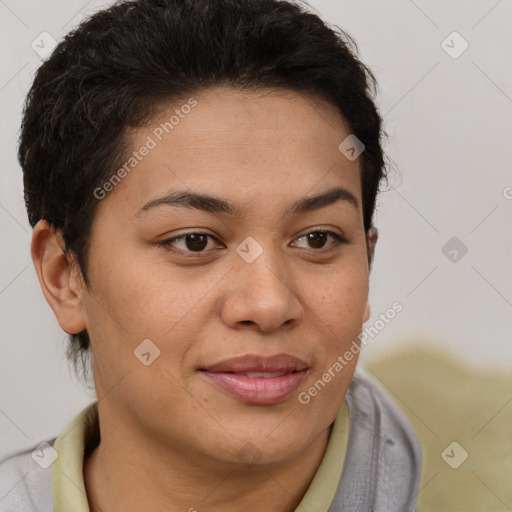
x=68 y=487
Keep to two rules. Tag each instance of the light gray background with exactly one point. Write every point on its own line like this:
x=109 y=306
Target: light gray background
x=450 y=124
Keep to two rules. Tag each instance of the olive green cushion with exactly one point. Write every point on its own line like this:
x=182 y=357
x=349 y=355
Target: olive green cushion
x=447 y=401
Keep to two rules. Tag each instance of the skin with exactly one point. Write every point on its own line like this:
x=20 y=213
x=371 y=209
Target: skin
x=170 y=439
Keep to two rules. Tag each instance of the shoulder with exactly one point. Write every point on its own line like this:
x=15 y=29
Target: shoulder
x=382 y=468
x=25 y=480
x=374 y=408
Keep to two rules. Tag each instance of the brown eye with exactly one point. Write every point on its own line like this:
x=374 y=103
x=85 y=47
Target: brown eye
x=196 y=241
x=318 y=240
x=188 y=243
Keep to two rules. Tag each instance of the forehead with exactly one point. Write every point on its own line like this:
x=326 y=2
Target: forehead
x=245 y=118
x=239 y=144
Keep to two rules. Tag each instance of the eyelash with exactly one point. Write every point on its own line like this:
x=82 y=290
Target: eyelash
x=338 y=240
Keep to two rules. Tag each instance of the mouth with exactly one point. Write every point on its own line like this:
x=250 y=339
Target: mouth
x=257 y=380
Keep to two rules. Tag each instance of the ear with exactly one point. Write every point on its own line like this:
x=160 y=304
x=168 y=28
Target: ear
x=372 y=236
x=59 y=276
x=371 y=241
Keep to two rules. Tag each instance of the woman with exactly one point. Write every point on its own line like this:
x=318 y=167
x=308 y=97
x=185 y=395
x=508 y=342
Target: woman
x=201 y=178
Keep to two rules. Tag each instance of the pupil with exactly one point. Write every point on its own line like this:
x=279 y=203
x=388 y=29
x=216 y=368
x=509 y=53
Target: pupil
x=196 y=242
x=317 y=240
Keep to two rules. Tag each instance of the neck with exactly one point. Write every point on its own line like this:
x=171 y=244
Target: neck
x=129 y=472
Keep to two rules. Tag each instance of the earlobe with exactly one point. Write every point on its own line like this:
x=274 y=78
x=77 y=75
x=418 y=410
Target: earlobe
x=58 y=277
x=366 y=314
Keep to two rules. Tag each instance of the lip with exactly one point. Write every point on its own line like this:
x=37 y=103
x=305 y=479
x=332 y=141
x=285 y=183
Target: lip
x=256 y=363
x=228 y=376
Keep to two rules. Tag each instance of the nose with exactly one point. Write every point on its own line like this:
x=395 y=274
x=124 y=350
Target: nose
x=260 y=296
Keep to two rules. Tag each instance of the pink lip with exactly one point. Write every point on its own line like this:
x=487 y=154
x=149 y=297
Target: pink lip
x=255 y=363
x=258 y=390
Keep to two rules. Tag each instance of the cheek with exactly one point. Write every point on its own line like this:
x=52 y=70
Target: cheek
x=135 y=292
x=338 y=307
x=134 y=299
x=339 y=300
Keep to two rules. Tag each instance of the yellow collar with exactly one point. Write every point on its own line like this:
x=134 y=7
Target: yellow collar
x=68 y=487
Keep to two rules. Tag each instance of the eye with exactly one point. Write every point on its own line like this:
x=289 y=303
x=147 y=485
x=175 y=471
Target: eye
x=317 y=239
x=188 y=242
x=195 y=244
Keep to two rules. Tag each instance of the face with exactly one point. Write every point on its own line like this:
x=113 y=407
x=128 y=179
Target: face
x=259 y=274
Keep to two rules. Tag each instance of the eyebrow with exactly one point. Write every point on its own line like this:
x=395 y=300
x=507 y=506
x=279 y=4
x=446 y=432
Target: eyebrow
x=212 y=204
